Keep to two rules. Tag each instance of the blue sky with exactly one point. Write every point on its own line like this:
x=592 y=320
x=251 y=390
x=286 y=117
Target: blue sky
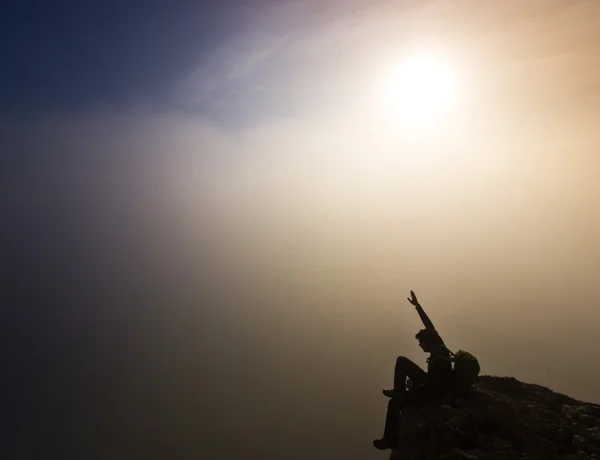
x=73 y=55
x=103 y=56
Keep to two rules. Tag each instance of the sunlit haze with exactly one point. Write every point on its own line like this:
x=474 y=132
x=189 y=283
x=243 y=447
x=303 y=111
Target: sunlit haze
x=420 y=88
x=212 y=215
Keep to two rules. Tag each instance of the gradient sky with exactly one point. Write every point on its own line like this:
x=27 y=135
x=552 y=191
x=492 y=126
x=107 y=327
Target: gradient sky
x=210 y=225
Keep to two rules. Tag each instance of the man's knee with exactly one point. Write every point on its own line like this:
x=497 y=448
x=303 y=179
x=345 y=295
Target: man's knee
x=402 y=361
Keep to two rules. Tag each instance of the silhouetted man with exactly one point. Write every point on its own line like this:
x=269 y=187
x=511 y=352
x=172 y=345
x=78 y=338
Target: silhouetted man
x=428 y=386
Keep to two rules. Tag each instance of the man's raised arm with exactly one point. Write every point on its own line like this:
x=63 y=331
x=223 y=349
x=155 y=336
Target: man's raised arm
x=426 y=321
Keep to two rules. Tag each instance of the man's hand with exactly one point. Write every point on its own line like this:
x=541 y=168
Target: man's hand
x=413 y=299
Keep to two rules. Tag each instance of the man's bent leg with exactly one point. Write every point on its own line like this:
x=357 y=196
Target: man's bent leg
x=406 y=368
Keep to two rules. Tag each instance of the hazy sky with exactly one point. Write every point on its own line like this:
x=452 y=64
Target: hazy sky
x=211 y=222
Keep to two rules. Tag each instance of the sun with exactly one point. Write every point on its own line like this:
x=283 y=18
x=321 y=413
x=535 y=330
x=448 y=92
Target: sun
x=420 y=89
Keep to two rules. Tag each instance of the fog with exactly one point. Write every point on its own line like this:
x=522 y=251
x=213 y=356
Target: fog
x=178 y=290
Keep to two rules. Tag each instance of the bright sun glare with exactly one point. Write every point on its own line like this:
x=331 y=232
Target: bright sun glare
x=420 y=89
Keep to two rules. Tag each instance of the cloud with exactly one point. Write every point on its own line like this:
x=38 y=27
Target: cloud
x=285 y=51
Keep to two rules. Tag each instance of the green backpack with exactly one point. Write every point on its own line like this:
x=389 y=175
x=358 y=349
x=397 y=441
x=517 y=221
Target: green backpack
x=466 y=369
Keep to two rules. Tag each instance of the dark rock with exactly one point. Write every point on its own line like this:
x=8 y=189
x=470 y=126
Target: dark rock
x=501 y=419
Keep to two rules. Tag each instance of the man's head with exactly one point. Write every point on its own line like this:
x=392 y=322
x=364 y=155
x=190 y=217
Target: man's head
x=429 y=340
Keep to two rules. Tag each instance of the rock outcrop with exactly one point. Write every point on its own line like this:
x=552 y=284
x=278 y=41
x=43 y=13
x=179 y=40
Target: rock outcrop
x=502 y=419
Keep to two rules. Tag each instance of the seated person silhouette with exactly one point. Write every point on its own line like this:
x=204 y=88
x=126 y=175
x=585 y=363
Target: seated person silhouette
x=429 y=386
